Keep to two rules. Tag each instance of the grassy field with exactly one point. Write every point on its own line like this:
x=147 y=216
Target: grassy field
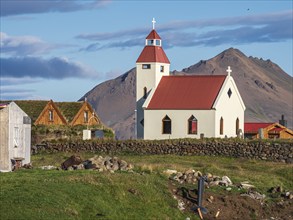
x=143 y=194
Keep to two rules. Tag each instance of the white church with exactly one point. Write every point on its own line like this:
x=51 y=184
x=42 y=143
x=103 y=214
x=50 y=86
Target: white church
x=169 y=107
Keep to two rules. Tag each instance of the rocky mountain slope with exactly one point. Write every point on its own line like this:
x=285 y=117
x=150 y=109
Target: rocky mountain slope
x=265 y=89
x=114 y=101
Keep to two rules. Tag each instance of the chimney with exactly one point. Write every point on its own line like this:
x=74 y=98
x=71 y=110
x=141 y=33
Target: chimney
x=283 y=121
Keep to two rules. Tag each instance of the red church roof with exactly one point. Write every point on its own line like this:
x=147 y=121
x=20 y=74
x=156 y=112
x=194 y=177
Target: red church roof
x=186 y=92
x=153 y=35
x=153 y=54
x=252 y=127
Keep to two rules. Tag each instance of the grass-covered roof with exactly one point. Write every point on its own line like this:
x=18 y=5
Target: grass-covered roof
x=69 y=109
x=34 y=108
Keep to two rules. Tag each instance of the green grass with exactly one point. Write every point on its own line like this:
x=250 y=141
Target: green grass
x=41 y=194
x=38 y=194
x=262 y=174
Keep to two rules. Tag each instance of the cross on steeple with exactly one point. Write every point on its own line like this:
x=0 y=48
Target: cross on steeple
x=229 y=70
x=153 y=21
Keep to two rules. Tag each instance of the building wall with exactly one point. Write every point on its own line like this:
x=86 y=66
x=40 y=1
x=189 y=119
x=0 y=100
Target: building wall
x=16 y=118
x=286 y=135
x=17 y=138
x=148 y=78
x=5 y=164
x=153 y=123
x=229 y=108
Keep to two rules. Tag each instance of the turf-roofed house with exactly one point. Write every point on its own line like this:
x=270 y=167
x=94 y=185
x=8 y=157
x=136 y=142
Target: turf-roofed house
x=183 y=106
x=60 y=113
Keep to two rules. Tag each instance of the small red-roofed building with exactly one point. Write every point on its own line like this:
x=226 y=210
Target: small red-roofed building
x=252 y=130
x=183 y=106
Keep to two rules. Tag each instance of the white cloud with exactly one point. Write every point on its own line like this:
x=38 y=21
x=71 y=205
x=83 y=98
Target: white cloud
x=24 y=45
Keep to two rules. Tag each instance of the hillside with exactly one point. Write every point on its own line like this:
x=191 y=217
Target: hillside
x=265 y=88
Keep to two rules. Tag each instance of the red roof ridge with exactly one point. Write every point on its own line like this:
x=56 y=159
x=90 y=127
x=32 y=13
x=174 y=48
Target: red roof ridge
x=191 y=76
x=259 y=123
x=153 y=35
x=183 y=92
x=153 y=54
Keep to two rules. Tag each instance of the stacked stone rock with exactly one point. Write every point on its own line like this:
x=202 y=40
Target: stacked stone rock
x=97 y=163
x=273 y=151
x=192 y=176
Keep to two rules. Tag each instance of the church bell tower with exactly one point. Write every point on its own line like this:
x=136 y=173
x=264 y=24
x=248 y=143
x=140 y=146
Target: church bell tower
x=151 y=65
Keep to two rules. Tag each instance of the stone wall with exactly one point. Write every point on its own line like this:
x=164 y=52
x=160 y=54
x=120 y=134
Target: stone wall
x=263 y=150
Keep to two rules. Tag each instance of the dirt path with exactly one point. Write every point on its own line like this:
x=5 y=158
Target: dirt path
x=230 y=205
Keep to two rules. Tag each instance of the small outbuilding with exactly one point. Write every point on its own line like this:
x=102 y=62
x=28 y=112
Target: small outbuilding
x=256 y=130
x=15 y=137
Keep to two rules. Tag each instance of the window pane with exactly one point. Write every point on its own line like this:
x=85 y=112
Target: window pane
x=16 y=137
x=86 y=116
x=51 y=117
x=146 y=66
x=221 y=126
x=167 y=125
x=192 y=125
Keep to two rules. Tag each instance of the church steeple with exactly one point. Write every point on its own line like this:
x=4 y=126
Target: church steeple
x=151 y=65
x=153 y=51
x=153 y=39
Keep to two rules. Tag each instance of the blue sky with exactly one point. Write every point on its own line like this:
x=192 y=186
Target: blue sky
x=61 y=49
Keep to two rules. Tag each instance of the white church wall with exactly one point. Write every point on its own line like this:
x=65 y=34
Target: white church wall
x=153 y=123
x=229 y=108
x=149 y=78
x=146 y=78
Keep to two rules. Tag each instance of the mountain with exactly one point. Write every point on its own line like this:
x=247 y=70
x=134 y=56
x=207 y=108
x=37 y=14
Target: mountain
x=114 y=101
x=265 y=89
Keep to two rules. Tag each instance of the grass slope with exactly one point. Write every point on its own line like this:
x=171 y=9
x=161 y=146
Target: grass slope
x=144 y=194
x=86 y=194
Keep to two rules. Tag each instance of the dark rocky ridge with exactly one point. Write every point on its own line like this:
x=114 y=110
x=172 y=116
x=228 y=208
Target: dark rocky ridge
x=265 y=89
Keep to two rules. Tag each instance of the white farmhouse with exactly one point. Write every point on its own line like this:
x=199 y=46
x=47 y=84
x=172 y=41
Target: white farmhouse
x=15 y=137
x=183 y=106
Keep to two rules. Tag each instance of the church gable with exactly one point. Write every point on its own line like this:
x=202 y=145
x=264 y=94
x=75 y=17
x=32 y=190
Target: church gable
x=229 y=95
x=51 y=115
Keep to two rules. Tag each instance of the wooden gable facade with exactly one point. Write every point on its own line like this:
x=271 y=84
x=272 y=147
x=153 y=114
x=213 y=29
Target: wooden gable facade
x=85 y=116
x=68 y=113
x=44 y=112
x=51 y=115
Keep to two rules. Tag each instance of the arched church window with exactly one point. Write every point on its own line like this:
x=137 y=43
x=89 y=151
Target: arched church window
x=145 y=92
x=192 y=125
x=167 y=123
x=221 y=125
x=237 y=125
